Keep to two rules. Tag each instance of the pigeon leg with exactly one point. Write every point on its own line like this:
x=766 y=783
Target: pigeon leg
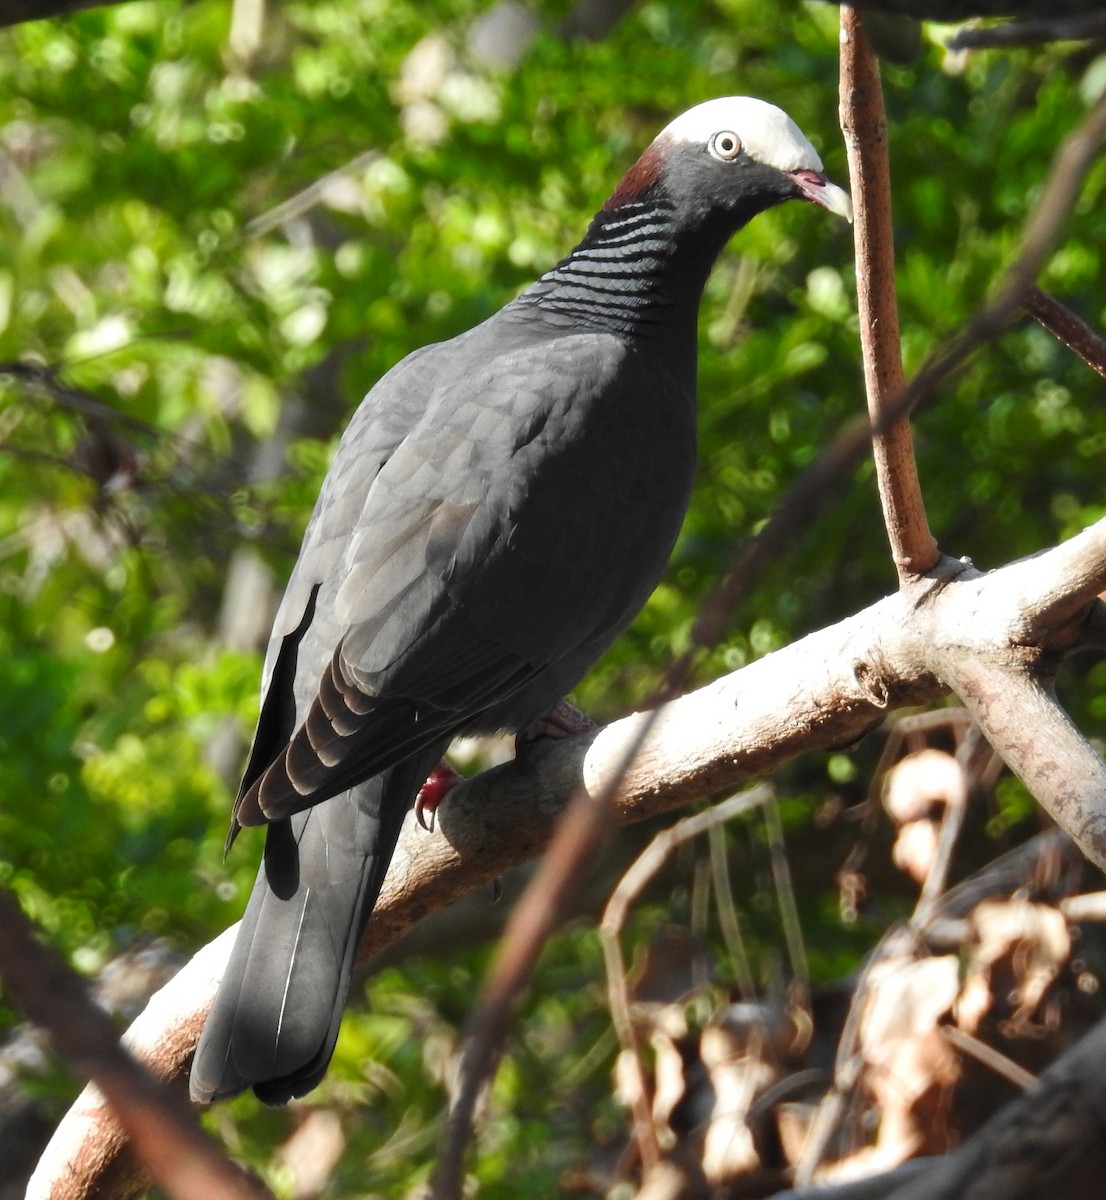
x=563 y=720
x=433 y=792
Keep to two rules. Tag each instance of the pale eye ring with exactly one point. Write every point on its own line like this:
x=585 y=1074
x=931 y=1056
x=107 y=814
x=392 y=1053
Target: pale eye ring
x=725 y=145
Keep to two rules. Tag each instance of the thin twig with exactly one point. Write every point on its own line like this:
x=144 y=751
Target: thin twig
x=306 y=199
x=789 y=910
x=864 y=125
x=631 y=885
x=1066 y=327
x=1030 y=33
x=1011 y=1071
x=728 y=919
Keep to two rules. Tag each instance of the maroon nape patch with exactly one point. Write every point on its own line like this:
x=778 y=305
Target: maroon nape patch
x=640 y=177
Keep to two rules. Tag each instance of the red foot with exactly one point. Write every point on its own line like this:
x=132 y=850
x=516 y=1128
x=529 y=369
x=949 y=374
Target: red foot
x=562 y=721
x=433 y=792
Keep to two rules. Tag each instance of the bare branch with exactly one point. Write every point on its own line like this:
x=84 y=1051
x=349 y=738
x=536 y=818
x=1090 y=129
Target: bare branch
x=1066 y=327
x=728 y=922
x=16 y=12
x=307 y=198
x=86 y=1154
x=789 y=910
x=1002 y=1066
x=1044 y=605
x=826 y=690
x=1030 y=33
x=864 y=125
x=1059 y=766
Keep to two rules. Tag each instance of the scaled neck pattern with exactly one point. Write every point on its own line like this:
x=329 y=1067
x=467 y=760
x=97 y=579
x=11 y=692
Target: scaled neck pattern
x=629 y=275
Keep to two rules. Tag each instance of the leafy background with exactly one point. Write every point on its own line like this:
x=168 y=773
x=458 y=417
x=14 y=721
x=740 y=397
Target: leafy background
x=188 y=352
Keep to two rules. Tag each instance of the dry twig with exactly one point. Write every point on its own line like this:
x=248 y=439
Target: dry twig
x=1030 y=33
x=641 y=871
x=1066 y=327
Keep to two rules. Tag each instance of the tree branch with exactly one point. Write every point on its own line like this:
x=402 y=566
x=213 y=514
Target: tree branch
x=17 y=12
x=864 y=125
x=1066 y=327
x=1009 y=691
x=825 y=690
x=1030 y=33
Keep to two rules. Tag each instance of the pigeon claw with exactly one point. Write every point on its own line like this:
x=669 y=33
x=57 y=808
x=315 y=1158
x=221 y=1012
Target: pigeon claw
x=433 y=792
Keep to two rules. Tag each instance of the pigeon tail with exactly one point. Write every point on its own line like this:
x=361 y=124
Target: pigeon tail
x=275 y=1020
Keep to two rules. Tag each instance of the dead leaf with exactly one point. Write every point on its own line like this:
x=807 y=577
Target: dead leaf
x=915 y=849
x=1017 y=943
x=909 y=1068
x=919 y=781
x=738 y=1072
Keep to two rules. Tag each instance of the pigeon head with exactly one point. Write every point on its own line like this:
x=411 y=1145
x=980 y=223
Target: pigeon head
x=645 y=258
x=727 y=160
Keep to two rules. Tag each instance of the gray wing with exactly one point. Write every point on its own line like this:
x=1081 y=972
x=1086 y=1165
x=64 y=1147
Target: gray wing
x=483 y=534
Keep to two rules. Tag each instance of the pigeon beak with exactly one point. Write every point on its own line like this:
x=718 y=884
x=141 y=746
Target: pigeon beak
x=818 y=189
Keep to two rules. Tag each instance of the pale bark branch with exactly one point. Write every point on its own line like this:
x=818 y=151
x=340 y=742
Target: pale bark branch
x=1041 y=603
x=825 y=690
x=1022 y=719
x=1005 y=677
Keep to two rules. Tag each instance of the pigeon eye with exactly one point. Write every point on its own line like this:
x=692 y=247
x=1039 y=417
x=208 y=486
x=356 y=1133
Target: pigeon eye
x=724 y=146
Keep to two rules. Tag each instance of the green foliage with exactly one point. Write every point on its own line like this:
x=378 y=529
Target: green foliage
x=196 y=352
